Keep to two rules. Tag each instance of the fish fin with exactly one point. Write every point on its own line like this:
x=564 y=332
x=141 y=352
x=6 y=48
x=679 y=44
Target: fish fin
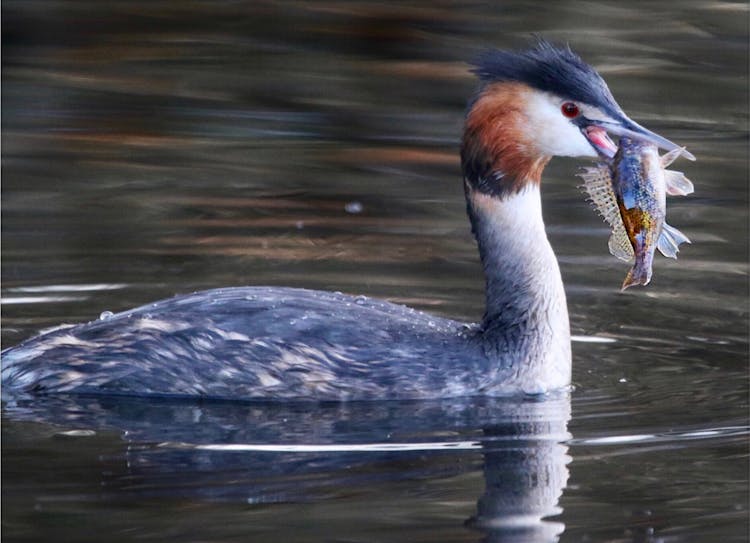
x=597 y=182
x=677 y=183
x=667 y=158
x=670 y=240
x=637 y=276
x=619 y=244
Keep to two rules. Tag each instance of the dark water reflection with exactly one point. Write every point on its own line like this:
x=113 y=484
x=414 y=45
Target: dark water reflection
x=151 y=148
x=303 y=453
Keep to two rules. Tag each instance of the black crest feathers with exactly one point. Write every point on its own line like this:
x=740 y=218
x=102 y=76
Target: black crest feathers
x=548 y=68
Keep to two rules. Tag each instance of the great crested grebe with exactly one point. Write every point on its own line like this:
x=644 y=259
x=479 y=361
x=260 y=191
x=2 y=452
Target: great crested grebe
x=282 y=343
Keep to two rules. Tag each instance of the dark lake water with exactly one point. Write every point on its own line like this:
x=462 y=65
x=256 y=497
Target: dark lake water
x=153 y=148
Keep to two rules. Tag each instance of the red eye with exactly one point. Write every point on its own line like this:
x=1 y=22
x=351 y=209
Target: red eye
x=570 y=110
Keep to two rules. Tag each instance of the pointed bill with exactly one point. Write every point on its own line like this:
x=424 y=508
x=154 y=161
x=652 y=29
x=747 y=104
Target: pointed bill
x=631 y=129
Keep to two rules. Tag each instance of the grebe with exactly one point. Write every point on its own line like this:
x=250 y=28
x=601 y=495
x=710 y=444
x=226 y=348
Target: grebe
x=262 y=343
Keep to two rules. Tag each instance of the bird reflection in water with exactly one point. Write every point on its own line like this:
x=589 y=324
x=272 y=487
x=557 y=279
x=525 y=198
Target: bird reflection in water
x=300 y=452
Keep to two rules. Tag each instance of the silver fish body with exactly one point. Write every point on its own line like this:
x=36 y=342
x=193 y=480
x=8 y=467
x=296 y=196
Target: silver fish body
x=630 y=193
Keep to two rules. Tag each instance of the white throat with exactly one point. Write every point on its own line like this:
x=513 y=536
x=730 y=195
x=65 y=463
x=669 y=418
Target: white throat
x=526 y=317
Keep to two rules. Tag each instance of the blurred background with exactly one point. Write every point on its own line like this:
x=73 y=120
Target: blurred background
x=155 y=147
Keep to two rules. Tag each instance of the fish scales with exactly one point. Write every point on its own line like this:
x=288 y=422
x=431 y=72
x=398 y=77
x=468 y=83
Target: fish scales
x=629 y=192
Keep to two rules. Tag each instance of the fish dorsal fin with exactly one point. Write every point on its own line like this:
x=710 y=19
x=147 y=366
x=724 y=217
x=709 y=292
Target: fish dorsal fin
x=667 y=158
x=597 y=182
x=670 y=240
x=619 y=244
x=677 y=183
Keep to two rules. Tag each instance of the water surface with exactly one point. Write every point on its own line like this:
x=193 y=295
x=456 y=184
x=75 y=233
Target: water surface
x=153 y=148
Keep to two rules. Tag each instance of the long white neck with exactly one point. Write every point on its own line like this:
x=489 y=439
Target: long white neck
x=526 y=318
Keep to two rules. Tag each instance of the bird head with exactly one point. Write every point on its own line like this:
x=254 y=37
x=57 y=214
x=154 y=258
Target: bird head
x=540 y=103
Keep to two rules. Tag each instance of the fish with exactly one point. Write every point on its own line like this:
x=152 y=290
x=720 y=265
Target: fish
x=629 y=192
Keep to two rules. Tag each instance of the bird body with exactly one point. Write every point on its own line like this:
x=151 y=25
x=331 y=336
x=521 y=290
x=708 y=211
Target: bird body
x=278 y=344
x=267 y=343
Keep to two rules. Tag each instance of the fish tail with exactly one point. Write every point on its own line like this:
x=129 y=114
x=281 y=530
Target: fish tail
x=639 y=274
x=669 y=241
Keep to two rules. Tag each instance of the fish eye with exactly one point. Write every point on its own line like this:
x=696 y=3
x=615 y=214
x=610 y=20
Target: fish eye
x=570 y=110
